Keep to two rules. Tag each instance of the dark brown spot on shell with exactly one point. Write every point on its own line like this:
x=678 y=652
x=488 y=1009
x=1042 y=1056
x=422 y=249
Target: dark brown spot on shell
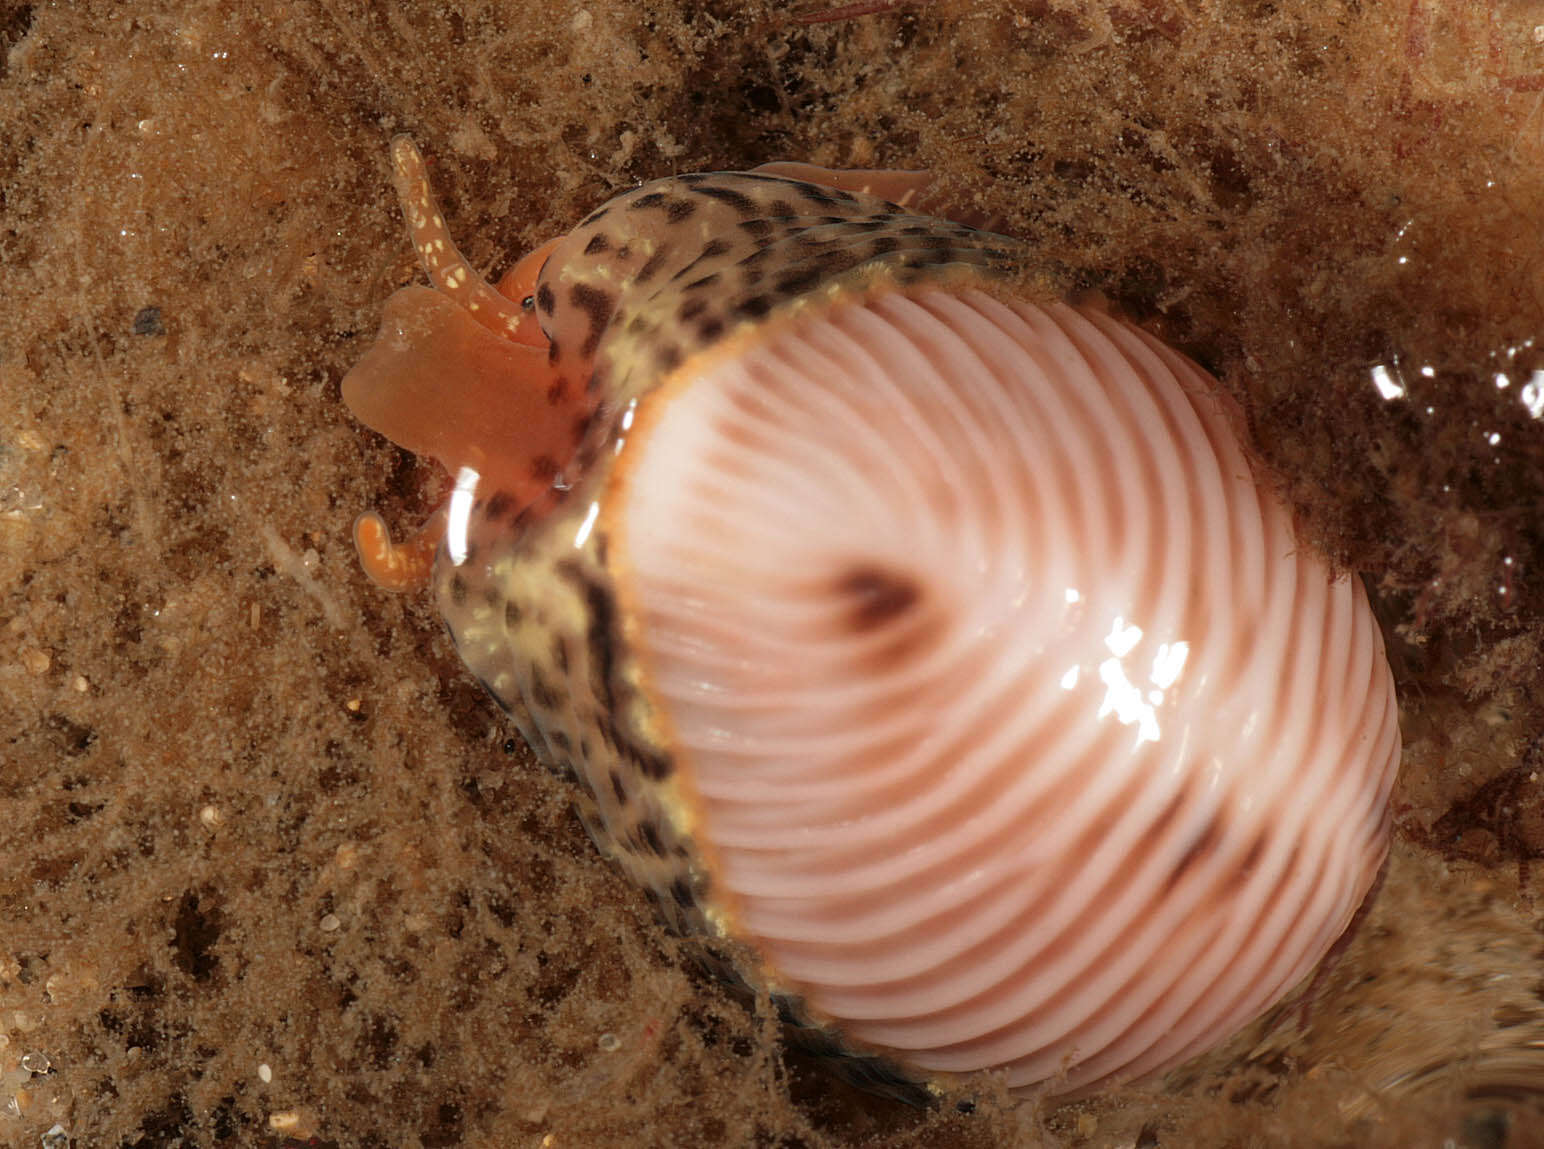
x=651 y=839
x=714 y=248
x=596 y=304
x=556 y=391
x=646 y=201
x=691 y=309
x=602 y=639
x=650 y=763
x=598 y=243
x=737 y=200
x=619 y=788
x=815 y=193
x=546 y=302
x=457 y=589
x=651 y=268
x=677 y=210
x=1204 y=843
x=798 y=282
x=1256 y=852
x=511 y=614
x=919 y=261
x=710 y=250
x=875 y=597
x=755 y=307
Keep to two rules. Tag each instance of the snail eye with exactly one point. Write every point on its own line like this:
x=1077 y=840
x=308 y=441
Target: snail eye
x=528 y=303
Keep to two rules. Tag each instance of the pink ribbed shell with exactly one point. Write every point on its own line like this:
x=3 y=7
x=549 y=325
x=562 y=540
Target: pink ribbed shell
x=1017 y=731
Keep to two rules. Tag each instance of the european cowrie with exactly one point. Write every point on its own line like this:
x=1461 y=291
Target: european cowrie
x=930 y=639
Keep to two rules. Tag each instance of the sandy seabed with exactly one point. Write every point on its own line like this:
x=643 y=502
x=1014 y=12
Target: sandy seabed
x=274 y=871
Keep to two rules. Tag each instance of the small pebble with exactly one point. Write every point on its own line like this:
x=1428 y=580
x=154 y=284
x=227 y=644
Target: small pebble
x=329 y=923
x=148 y=322
x=35 y=1062
x=56 y=1138
x=610 y=1042
x=265 y=1073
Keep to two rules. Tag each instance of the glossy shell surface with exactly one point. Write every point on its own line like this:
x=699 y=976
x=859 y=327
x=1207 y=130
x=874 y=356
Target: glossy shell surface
x=933 y=640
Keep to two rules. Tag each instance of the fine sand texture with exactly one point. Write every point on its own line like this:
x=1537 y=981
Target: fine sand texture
x=274 y=870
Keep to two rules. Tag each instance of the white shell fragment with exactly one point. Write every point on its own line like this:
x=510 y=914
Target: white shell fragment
x=1018 y=732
